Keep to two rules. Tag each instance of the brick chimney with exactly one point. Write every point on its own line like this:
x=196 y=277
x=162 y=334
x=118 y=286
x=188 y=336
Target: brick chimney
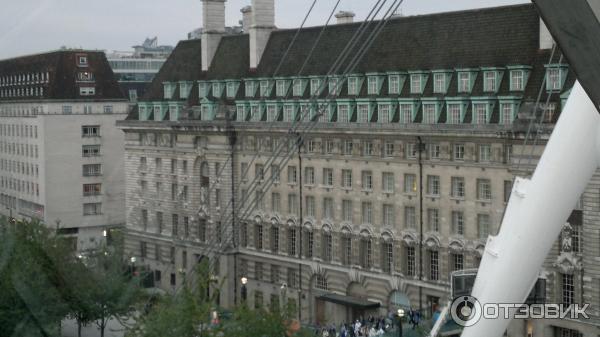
x=246 y=18
x=263 y=23
x=345 y=17
x=213 y=29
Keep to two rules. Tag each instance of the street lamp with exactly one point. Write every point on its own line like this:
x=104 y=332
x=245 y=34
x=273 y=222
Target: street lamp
x=284 y=295
x=400 y=316
x=244 y=289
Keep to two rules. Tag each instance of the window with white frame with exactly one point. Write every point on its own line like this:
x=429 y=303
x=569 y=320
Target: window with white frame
x=406 y=113
x=458 y=262
x=276 y=202
x=508 y=111
x=275 y=176
x=250 y=88
x=434 y=151
x=343 y=113
x=231 y=89
x=484 y=189
x=367 y=180
x=485 y=153
x=367 y=213
x=434 y=267
x=480 y=113
x=387 y=182
x=517 y=80
x=373 y=85
x=264 y=88
x=292 y=175
x=334 y=86
x=457 y=187
x=454 y=114
x=410 y=217
x=429 y=113
x=347 y=211
x=394 y=84
x=310 y=206
x=367 y=148
x=271 y=113
x=433 y=185
x=568 y=289
x=92 y=208
x=483 y=226
x=411 y=261
x=298 y=89
x=292 y=203
x=433 y=219
x=280 y=88
x=366 y=252
x=328 y=177
x=352 y=86
x=459 y=152
x=553 y=78
x=410 y=151
x=464 y=82
x=410 y=183
x=416 y=83
x=288 y=113
x=458 y=223
x=315 y=86
x=389 y=149
x=383 y=111
x=387 y=252
x=389 y=218
x=439 y=83
x=309 y=175
x=347 y=178
x=348 y=147
x=328 y=208
x=490 y=80
x=363 y=113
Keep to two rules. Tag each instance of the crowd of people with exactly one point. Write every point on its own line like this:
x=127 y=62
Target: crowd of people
x=368 y=327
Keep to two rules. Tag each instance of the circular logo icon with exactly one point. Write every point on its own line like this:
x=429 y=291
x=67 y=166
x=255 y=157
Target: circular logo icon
x=466 y=311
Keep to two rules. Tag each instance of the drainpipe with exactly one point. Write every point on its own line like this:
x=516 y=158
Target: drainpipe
x=300 y=143
x=420 y=147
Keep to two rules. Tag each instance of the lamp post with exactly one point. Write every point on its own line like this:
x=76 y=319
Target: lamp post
x=244 y=290
x=400 y=316
x=284 y=295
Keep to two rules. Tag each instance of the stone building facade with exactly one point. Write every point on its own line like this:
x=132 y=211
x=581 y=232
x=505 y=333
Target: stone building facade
x=418 y=135
x=61 y=157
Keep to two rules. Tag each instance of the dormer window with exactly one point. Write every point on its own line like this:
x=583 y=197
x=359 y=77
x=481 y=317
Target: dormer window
x=334 y=86
x=373 y=85
x=85 y=76
x=490 y=78
x=517 y=80
x=352 y=86
x=406 y=113
x=429 y=113
x=464 y=82
x=555 y=77
x=169 y=89
x=203 y=89
x=439 y=83
x=508 y=112
x=416 y=83
x=281 y=88
x=250 y=88
x=394 y=84
x=184 y=89
x=217 y=89
x=454 y=113
x=315 y=86
x=232 y=88
x=481 y=112
x=82 y=60
x=298 y=89
x=265 y=88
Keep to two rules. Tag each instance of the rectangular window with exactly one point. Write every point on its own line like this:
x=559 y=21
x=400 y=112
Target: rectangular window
x=328 y=177
x=517 y=80
x=458 y=262
x=484 y=189
x=459 y=152
x=367 y=213
x=387 y=252
x=310 y=206
x=347 y=179
x=410 y=183
x=434 y=151
x=410 y=217
x=373 y=84
x=363 y=113
x=433 y=185
x=298 y=87
x=90 y=150
x=485 y=153
x=415 y=83
x=464 y=82
x=389 y=218
x=348 y=147
x=264 y=88
x=507 y=189
x=328 y=208
x=433 y=219
x=483 y=226
x=480 y=113
x=367 y=180
x=490 y=81
x=292 y=175
x=291 y=247
x=92 y=208
x=434 y=267
x=174 y=225
x=388 y=182
x=352 y=86
x=90 y=131
x=309 y=175
x=406 y=113
x=394 y=84
x=276 y=202
x=457 y=187
x=507 y=113
x=389 y=149
x=568 y=289
x=367 y=148
x=346 y=250
x=347 y=211
x=292 y=203
x=92 y=189
x=553 y=77
x=315 y=86
x=275 y=176
x=454 y=114
x=439 y=82
x=343 y=113
x=258 y=236
x=410 y=151
x=91 y=170
x=410 y=261
x=429 y=114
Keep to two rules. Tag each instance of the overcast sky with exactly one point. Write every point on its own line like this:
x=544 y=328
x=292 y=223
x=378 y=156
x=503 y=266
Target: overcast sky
x=32 y=26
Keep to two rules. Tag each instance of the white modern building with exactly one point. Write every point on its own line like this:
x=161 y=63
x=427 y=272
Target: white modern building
x=61 y=155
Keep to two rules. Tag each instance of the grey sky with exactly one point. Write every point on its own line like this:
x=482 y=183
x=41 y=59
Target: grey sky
x=32 y=26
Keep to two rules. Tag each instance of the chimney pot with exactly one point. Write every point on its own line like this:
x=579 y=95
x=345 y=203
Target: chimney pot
x=345 y=17
x=246 y=18
x=213 y=29
x=263 y=23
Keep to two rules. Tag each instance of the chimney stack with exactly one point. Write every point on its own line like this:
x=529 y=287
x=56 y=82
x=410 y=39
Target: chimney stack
x=345 y=17
x=213 y=29
x=246 y=18
x=263 y=23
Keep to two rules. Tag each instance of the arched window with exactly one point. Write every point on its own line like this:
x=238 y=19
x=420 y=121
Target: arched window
x=327 y=247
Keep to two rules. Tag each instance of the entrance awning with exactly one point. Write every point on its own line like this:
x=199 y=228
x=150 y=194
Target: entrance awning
x=349 y=301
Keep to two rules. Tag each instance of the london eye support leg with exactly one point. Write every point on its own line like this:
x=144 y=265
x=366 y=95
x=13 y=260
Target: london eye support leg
x=537 y=211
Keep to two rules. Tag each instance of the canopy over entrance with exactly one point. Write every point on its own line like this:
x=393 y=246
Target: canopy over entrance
x=349 y=301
